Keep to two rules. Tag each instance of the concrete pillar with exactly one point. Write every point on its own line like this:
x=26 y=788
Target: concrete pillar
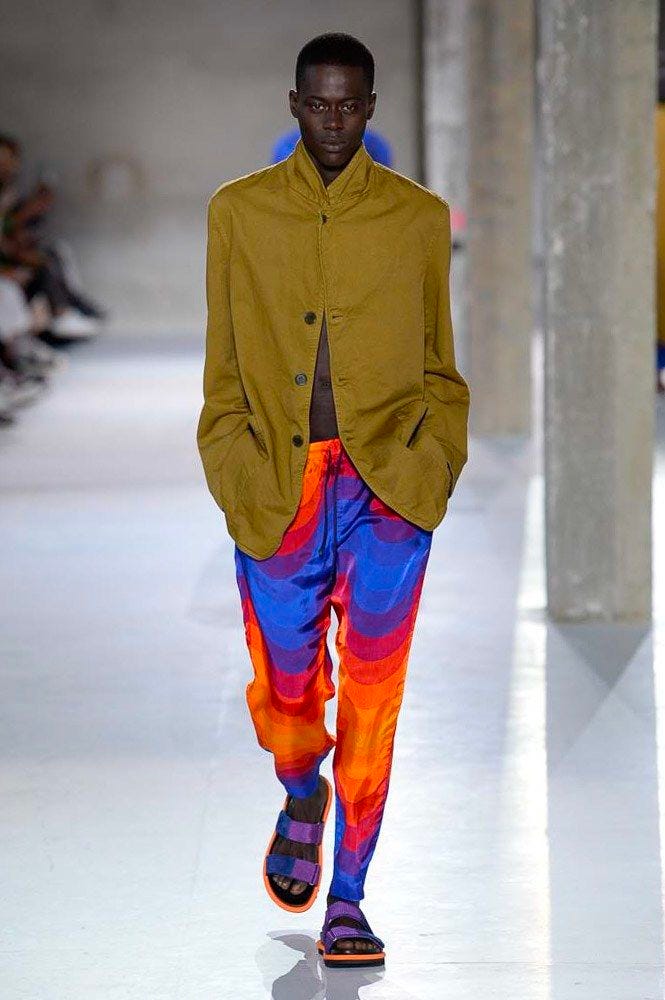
x=445 y=138
x=445 y=98
x=500 y=287
x=597 y=92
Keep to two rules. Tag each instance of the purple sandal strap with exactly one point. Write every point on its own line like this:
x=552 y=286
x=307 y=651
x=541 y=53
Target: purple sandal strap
x=344 y=908
x=297 y=868
x=298 y=830
x=334 y=934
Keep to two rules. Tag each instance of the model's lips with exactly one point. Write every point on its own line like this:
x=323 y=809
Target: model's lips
x=333 y=145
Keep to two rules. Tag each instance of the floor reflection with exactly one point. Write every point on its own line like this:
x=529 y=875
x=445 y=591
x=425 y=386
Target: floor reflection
x=309 y=979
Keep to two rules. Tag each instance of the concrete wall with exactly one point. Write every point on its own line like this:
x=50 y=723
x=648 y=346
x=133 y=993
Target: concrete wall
x=141 y=110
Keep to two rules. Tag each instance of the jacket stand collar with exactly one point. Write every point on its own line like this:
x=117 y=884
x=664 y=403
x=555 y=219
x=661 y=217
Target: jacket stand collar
x=351 y=183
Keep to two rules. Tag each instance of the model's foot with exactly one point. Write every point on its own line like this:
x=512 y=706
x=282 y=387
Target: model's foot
x=309 y=810
x=347 y=946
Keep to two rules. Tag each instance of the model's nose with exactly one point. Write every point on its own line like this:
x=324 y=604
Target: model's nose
x=334 y=121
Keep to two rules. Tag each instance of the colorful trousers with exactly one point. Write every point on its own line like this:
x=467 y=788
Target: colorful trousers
x=344 y=549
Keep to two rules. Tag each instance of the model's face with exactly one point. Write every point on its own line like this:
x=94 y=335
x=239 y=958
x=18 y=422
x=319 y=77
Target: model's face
x=333 y=106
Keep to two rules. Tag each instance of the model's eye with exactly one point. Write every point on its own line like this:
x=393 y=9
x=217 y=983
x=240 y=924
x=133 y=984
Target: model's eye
x=316 y=106
x=350 y=109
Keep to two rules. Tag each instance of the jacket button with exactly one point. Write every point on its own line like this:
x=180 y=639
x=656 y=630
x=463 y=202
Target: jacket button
x=310 y=317
x=301 y=378
x=297 y=439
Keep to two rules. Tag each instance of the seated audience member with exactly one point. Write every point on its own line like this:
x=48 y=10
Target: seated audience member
x=52 y=278
x=40 y=290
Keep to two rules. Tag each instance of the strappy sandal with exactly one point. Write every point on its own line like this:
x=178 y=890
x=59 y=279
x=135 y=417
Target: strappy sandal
x=299 y=869
x=330 y=934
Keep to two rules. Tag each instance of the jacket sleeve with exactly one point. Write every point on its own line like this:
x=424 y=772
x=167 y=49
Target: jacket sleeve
x=446 y=391
x=223 y=418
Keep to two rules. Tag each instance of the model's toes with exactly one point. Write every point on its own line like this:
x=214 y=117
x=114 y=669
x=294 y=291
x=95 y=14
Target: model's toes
x=361 y=945
x=289 y=885
x=345 y=946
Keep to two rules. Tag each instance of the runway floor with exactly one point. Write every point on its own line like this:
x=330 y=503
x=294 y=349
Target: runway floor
x=521 y=855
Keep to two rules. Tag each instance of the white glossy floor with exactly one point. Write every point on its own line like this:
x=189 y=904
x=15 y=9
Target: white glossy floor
x=522 y=848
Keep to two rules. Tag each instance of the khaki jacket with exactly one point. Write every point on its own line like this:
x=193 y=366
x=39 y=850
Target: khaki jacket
x=372 y=251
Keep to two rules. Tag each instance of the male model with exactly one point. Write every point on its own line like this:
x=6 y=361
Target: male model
x=333 y=431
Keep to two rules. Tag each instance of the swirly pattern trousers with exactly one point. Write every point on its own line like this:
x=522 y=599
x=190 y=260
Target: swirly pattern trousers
x=344 y=549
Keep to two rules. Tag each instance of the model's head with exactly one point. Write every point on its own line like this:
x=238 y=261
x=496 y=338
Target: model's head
x=334 y=98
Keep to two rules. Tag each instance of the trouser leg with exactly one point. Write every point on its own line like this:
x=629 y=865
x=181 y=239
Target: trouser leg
x=48 y=280
x=381 y=561
x=286 y=611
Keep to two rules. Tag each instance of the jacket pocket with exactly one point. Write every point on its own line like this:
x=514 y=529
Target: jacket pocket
x=411 y=422
x=259 y=438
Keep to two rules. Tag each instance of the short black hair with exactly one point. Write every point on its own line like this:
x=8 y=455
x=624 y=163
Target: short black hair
x=335 y=49
x=9 y=142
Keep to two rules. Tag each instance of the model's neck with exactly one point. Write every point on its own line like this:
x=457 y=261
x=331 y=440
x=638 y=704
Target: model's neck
x=328 y=174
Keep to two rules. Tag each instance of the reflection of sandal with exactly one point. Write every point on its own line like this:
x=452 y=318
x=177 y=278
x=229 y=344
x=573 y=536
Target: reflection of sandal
x=330 y=934
x=299 y=869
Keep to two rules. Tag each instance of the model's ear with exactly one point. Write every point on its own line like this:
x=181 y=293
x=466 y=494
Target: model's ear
x=371 y=104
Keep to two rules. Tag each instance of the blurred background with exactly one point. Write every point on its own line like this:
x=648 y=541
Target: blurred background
x=138 y=115
x=530 y=750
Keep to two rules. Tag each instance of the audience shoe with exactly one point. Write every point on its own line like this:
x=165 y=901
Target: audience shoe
x=72 y=325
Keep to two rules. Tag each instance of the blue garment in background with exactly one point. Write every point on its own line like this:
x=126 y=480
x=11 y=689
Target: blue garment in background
x=377 y=147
